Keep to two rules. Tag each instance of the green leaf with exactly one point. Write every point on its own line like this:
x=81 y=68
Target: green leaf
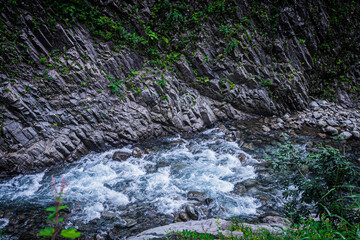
x=51 y=216
x=46 y=232
x=70 y=233
x=53 y=209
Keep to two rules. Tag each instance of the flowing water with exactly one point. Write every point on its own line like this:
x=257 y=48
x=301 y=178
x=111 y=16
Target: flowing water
x=125 y=197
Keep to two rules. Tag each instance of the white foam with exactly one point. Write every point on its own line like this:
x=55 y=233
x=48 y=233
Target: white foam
x=26 y=185
x=3 y=222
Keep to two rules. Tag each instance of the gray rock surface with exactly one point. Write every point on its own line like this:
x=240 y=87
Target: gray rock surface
x=210 y=226
x=56 y=104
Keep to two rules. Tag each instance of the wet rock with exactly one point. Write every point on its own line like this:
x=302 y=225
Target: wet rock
x=242 y=157
x=192 y=212
x=248 y=146
x=239 y=189
x=222 y=128
x=249 y=183
x=208 y=201
x=195 y=195
x=108 y=215
x=184 y=216
x=137 y=152
x=130 y=222
x=345 y=135
x=316 y=115
x=331 y=130
x=121 y=156
x=177 y=143
x=150 y=168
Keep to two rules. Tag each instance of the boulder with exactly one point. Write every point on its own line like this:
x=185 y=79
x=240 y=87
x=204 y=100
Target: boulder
x=184 y=216
x=313 y=105
x=121 y=156
x=192 y=212
x=137 y=152
x=345 y=135
x=331 y=130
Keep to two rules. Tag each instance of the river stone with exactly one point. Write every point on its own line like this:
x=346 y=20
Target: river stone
x=222 y=127
x=208 y=201
x=331 y=130
x=195 y=195
x=249 y=183
x=108 y=215
x=121 y=156
x=137 y=152
x=192 y=212
x=184 y=216
x=322 y=123
x=313 y=105
x=265 y=128
x=242 y=157
x=345 y=135
x=239 y=189
x=177 y=143
x=356 y=134
x=130 y=222
x=316 y=115
x=331 y=122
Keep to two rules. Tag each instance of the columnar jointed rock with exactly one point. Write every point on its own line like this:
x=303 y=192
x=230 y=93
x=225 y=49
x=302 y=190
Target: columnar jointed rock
x=64 y=92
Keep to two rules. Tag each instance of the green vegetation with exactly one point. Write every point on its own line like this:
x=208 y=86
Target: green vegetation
x=323 y=179
x=55 y=220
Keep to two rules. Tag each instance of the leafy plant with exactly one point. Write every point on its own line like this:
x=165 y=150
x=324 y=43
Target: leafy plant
x=55 y=220
x=162 y=81
x=318 y=178
x=116 y=85
x=231 y=46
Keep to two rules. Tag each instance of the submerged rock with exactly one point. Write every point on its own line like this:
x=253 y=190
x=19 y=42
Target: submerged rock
x=184 y=216
x=192 y=212
x=121 y=156
x=195 y=195
x=137 y=152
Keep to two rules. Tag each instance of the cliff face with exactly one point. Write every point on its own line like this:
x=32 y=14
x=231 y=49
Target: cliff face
x=89 y=75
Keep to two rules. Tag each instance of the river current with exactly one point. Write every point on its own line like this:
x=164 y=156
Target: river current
x=145 y=192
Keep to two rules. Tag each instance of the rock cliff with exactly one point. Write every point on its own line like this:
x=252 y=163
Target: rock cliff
x=80 y=75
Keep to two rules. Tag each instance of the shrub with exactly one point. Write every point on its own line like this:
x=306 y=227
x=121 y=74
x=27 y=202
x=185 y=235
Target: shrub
x=319 y=178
